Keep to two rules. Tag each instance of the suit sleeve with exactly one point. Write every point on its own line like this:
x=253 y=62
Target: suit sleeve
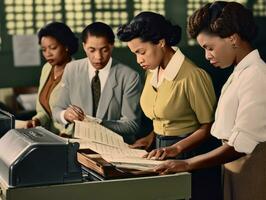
x=129 y=123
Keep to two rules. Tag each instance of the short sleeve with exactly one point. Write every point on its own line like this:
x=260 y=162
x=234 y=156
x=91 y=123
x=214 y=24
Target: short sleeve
x=201 y=96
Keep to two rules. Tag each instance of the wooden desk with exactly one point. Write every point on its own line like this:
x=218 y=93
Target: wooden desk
x=175 y=186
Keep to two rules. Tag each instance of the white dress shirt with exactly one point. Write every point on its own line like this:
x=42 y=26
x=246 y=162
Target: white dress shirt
x=240 y=116
x=103 y=73
x=103 y=76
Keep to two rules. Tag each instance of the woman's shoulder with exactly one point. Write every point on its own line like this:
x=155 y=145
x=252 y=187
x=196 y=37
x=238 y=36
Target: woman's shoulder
x=47 y=66
x=255 y=71
x=192 y=70
x=46 y=70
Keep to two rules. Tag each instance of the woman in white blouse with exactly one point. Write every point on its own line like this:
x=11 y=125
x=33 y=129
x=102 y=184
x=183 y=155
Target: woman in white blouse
x=225 y=31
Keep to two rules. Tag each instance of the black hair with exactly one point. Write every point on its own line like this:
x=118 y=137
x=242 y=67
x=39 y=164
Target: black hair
x=98 y=29
x=223 y=19
x=150 y=27
x=62 y=33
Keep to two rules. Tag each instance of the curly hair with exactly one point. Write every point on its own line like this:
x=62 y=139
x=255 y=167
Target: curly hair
x=62 y=33
x=150 y=27
x=223 y=19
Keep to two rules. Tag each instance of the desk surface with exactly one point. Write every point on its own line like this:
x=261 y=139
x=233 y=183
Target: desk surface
x=175 y=186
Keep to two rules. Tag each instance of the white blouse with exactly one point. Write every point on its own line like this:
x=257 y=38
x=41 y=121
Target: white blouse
x=240 y=116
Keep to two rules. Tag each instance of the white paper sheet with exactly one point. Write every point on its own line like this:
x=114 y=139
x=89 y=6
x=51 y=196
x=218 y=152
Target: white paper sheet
x=95 y=132
x=110 y=145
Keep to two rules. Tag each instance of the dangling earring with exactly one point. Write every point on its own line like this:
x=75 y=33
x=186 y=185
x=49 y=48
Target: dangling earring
x=162 y=44
x=66 y=49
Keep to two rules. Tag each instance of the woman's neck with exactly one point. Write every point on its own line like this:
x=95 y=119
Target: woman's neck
x=243 y=50
x=59 y=69
x=169 y=52
x=63 y=64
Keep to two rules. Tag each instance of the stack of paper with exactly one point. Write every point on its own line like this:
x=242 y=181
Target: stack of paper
x=110 y=145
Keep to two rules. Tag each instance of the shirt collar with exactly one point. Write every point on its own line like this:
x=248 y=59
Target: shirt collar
x=247 y=61
x=171 y=69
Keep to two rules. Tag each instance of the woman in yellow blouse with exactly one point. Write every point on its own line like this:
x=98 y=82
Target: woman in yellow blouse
x=58 y=43
x=178 y=96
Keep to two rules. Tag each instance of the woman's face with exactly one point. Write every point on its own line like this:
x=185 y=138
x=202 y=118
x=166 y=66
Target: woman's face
x=149 y=55
x=219 y=51
x=53 y=51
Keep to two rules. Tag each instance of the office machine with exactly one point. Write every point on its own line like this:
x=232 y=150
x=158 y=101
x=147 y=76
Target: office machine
x=170 y=187
x=37 y=164
x=35 y=156
x=7 y=122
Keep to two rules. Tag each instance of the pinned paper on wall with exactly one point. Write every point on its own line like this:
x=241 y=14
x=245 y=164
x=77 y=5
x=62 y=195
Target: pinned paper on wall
x=26 y=51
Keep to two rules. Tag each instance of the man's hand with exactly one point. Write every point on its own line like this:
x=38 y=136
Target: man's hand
x=74 y=113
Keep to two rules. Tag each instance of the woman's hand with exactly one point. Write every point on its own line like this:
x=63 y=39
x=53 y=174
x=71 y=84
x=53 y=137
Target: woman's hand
x=74 y=113
x=143 y=143
x=183 y=145
x=172 y=166
x=164 y=152
x=33 y=123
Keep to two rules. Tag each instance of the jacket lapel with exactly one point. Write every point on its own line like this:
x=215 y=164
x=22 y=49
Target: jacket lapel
x=85 y=88
x=108 y=92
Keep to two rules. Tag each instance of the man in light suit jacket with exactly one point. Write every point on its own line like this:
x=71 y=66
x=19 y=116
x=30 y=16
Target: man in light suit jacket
x=118 y=107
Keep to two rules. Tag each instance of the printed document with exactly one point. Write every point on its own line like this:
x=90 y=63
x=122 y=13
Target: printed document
x=111 y=146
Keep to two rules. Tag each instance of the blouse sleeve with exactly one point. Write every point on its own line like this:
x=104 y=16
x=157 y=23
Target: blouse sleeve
x=201 y=96
x=250 y=122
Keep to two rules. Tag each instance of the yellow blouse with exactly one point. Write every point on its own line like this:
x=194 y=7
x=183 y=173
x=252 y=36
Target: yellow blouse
x=179 y=104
